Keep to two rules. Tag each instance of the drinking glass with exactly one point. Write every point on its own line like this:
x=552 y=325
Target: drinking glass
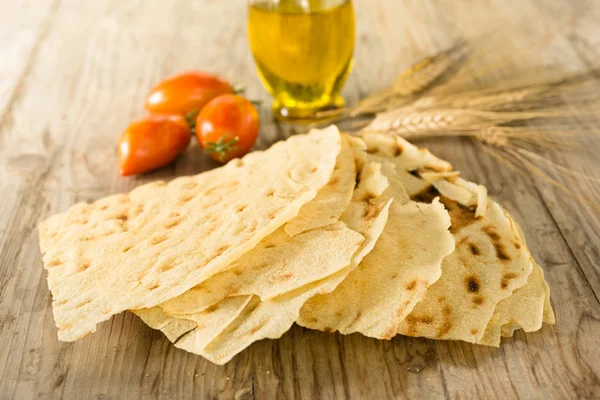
x=303 y=52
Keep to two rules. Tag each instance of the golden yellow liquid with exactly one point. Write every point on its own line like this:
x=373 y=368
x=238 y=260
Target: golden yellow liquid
x=303 y=53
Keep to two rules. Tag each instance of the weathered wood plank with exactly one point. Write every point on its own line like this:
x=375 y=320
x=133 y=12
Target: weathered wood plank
x=92 y=64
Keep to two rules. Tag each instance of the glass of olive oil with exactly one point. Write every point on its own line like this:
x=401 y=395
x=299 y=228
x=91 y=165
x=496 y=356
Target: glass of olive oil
x=303 y=52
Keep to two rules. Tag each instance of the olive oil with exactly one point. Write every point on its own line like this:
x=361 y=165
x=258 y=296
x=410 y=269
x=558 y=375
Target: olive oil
x=303 y=52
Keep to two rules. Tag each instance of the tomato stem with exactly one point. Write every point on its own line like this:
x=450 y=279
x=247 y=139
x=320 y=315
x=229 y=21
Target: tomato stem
x=239 y=89
x=222 y=146
x=190 y=118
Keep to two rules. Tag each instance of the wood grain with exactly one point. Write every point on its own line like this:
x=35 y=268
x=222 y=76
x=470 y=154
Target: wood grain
x=74 y=73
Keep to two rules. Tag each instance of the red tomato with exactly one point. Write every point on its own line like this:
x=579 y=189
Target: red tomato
x=186 y=92
x=227 y=127
x=152 y=142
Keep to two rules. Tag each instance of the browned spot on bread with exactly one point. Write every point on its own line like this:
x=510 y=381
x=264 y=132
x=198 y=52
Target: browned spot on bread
x=390 y=333
x=238 y=163
x=373 y=150
x=135 y=211
x=83 y=303
x=237 y=272
x=398 y=149
x=425 y=196
x=490 y=231
x=394 y=275
x=221 y=250
x=241 y=208
x=210 y=229
x=253 y=227
x=106 y=311
x=501 y=252
x=103 y=207
x=269 y=246
x=259 y=266
x=506 y=279
x=274 y=213
x=460 y=216
x=425 y=319
x=55 y=262
x=356 y=317
x=158 y=239
x=212 y=308
x=334 y=181
x=166 y=267
x=414 y=320
x=411 y=285
x=285 y=277
x=174 y=214
x=153 y=286
x=83 y=266
x=370 y=211
x=311 y=319
x=189 y=185
x=472 y=283
x=123 y=217
x=257 y=328
x=172 y=223
x=474 y=331
x=314 y=169
x=446 y=323
x=66 y=326
x=517 y=245
x=338 y=314
x=441 y=299
x=271 y=193
x=327 y=329
x=478 y=300
x=184 y=198
x=62 y=302
x=474 y=249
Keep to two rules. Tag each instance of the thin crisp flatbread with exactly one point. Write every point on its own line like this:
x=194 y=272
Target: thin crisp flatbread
x=208 y=324
x=331 y=201
x=526 y=308
x=393 y=277
x=523 y=309
x=281 y=263
x=140 y=249
x=365 y=214
x=278 y=264
x=274 y=317
x=489 y=261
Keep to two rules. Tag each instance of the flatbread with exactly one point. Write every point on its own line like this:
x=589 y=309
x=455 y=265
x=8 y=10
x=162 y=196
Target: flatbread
x=331 y=201
x=489 y=262
x=140 y=249
x=526 y=308
x=393 y=277
x=277 y=265
x=280 y=263
x=208 y=324
x=272 y=318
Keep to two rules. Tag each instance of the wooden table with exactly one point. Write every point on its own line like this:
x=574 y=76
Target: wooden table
x=74 y=73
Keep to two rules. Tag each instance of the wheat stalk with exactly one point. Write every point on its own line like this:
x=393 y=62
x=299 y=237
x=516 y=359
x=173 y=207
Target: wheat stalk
x=409 y=122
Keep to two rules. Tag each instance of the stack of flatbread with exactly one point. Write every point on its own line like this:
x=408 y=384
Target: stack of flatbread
x=334 y=232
